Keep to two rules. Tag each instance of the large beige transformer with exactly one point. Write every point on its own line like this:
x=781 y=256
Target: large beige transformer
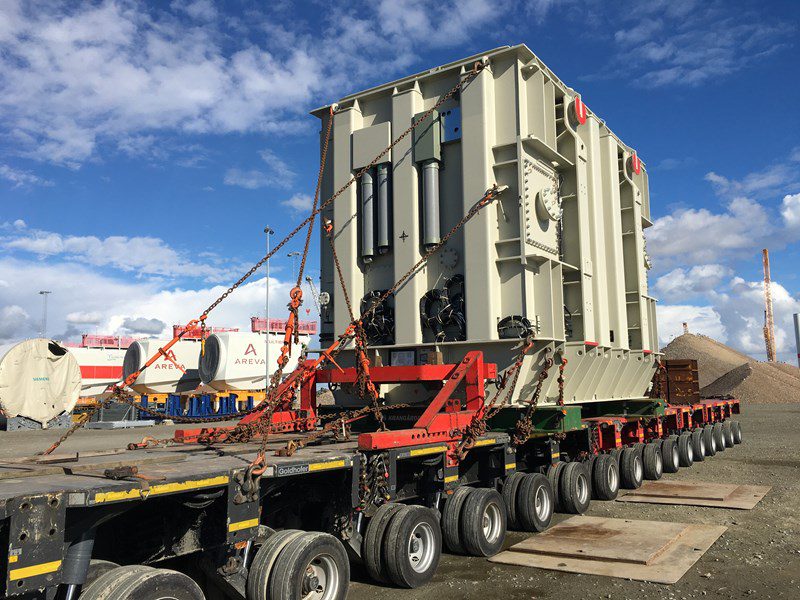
x=559 y=256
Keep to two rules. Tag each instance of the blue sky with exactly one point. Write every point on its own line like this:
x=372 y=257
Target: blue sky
x=144 y=147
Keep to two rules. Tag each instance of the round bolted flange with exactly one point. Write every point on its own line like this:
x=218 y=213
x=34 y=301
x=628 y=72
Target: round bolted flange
x=548 y=204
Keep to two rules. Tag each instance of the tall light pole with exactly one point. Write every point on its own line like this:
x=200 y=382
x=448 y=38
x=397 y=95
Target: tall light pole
x=268 y=231
x=44 y=294
x=294 y=256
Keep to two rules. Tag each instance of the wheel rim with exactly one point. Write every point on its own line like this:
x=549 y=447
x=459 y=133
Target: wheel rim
x=613 y=478
x=659 y=464
x=421 y=548
x=638 y=471
x=702 y=446
x=675 y=456
x=492 y=523
x=713 y=443
x=321 y=580
x=689 y=452
x=582 y=489
x=542 y=503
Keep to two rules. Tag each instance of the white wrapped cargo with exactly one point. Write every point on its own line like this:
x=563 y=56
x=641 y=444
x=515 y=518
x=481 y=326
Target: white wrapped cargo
x=39 y=380
x=172 y=374
x=239 y=361
x=100 y=368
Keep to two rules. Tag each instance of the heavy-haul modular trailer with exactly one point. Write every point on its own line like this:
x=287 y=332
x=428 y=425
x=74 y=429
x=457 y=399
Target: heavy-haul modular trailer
x=287 y=529
x=560 y=254
x=551 y=274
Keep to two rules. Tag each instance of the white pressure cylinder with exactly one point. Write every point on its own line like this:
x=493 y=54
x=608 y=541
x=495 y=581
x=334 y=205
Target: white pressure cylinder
x=39 y=380
x=172 y=374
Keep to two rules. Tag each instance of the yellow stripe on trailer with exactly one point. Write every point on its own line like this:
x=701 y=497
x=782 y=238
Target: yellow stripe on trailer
x=423 y=451
x=322 y=466
x=511 y=466
x=249 y=524
x=34 y=570
x=164 y=488
x=484 y=443
x=12 y=559
x=451 y=478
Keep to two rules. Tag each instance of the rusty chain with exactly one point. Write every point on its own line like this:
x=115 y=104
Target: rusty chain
x=308 y=221
x=524 y=426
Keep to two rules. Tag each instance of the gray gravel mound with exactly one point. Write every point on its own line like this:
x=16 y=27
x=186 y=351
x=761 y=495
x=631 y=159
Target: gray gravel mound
x=727 y=372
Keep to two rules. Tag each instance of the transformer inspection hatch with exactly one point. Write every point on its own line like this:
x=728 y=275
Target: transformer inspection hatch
x=641 y=550
x=719 y=495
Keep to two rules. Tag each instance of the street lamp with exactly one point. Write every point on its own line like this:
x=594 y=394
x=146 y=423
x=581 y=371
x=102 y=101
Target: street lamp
x=268 y=231
x=44 y=294
x=294 y=256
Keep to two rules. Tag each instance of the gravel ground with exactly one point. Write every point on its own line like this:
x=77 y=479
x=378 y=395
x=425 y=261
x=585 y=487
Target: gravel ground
x=758 y=557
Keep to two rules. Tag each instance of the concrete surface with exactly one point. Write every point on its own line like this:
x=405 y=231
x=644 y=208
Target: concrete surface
x=758 y=557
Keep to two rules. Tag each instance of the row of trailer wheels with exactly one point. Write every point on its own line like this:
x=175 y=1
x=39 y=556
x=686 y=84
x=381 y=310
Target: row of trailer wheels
x=403 y=543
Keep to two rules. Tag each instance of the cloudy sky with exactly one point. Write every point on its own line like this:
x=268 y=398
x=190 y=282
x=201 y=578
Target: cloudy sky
x=144 y=147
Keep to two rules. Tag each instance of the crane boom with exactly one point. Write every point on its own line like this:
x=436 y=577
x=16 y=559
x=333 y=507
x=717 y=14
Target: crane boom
x=769 y=320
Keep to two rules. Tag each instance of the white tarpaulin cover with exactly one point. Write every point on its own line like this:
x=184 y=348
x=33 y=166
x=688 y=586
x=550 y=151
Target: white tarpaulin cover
x=39 y=379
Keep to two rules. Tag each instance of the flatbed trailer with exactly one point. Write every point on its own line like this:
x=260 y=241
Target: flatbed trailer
x=69 y=520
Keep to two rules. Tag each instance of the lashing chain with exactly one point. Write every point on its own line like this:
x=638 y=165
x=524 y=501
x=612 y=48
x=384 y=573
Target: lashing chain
x=479 y=423
x=560 y=380
x=524 y=427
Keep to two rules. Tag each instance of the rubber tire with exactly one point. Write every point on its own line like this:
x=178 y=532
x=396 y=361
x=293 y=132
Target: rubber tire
x=737 y=432
x=727 y=434
x=526 y=502
x=601 y=488
x=573 y=475
x=589 y=464
x=685 y=450
x=98 y=568
x=156 y=584
x=286 y=581
x=395 y=544
x=698 y=445
x=104 y=587
x=711 y=442
x=719 y=435
x=628 y=471
x=554 y=476
x=617 y=454
x=451 y=520
x=653 y=462
x=372 y=546
x=257 y=586
x=669 y=456
x=510 y=492
x=472 y=535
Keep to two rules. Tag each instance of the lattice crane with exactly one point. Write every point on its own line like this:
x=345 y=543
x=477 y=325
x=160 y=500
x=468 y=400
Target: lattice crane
x=769 y=320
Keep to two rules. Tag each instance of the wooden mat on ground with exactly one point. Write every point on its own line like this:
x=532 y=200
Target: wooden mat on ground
x=720 y=495
x=642 y=550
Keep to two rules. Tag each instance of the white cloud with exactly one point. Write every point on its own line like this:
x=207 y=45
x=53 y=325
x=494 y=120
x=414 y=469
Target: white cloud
x=790 y=211
x=144 y=325
x=682 y=283
x=84 y=318
x=299 y=203
x=279 y=174
x=704 y=320
x=700 y=236
x=75 y=77
x=20 y=178
x=144 y=255
x=122 y=306
x=249 y=179
x=679 y=43
x=770 y=180
x=13 y=320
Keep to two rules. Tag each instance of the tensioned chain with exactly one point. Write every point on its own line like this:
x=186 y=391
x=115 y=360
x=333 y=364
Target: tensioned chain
x=524 y=427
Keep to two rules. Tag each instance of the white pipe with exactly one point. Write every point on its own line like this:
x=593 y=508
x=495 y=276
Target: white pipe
x=367 y=217
x=383 y=208
x=430 y=175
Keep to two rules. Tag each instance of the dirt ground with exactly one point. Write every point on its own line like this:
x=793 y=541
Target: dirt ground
x=758 y=557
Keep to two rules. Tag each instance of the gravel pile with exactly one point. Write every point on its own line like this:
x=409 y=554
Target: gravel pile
x=724 y=371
